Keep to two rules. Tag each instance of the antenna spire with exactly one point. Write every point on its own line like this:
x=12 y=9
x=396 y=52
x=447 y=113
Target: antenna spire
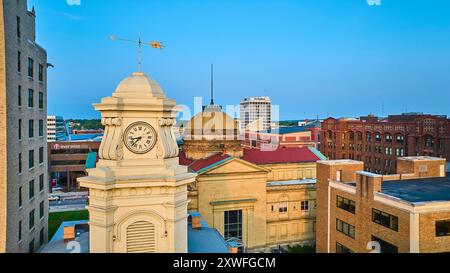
x=212 y=84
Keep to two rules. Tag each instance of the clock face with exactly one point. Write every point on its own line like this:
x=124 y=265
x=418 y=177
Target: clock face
x=140 y=138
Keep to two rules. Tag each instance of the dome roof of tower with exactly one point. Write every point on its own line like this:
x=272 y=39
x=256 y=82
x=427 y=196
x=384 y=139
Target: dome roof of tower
x=212 y=124
x=140 y=83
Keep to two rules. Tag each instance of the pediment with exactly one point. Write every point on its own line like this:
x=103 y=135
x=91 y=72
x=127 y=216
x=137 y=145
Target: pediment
x=235 y=165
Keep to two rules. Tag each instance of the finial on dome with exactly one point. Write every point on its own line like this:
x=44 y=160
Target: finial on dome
x=140 y=43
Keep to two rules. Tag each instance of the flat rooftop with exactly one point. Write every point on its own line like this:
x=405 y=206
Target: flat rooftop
x=419 y=190
x=205 y=239
x=292 y=182
x=340 y=162
x=421 y=158
x=57 y=244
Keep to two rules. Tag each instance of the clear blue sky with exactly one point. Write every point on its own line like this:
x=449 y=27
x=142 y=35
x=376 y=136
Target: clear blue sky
x=312 y=57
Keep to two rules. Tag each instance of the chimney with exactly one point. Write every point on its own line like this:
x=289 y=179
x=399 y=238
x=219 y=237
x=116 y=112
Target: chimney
x=69 y=234
x=233 y=247
x=367 y=184
x=196 y=220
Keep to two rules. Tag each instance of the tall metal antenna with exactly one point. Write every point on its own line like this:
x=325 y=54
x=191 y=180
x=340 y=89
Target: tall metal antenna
x=212 y=84
x=153 y=44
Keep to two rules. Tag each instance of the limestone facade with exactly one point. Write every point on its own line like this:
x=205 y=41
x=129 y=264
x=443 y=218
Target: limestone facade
x=138 y=201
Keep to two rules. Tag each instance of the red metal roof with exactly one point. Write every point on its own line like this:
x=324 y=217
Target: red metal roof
x=255 y=156
x=183 y=160
x=207 y=162
x=282 y=155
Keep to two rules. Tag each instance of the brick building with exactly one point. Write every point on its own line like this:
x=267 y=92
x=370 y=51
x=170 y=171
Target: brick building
x=67 y=160
x=361 y=212
x=379 y=142
x=288 y=137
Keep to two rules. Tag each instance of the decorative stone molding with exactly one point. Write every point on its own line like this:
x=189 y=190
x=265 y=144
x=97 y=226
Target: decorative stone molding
x=111 y=147
x=167 y=147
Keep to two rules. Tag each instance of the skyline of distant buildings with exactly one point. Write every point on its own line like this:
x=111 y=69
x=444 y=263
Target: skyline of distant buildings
x=56 y=129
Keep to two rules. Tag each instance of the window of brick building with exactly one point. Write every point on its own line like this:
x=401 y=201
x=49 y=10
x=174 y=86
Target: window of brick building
x=30 y=67
x=31 y=159
x=342 y=249
x=388 y=138
x=19 y=61
x=41 y=183
x=41 y=237
x=20 y=129
x=20 y=162
x=41 y=210
x=283 y=207
x=378 y=137
x=385 y=219
x=345 y=228
x=304 y=206
x=31 y=189
x=31 y=220
x=31 y=128
x=19 y=95
x=41 y=128
x=18 y=27
x=41 y=155
x=385 y=247
x=443 y=228
x=429 y=142
x=346 y=204
x=41 y=72
x=20 y=197
x=41 y=100
x=30 y=98
x=20 y=231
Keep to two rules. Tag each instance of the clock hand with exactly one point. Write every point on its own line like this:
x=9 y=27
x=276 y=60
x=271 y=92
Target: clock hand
x=137 y=139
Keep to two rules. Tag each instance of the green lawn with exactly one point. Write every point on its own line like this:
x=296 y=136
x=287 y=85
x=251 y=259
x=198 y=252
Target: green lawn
x=55 y=219
x=302 y=249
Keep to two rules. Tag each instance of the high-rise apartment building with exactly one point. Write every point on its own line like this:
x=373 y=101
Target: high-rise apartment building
x=56 y=129
x=256 y=114
x=379 y=142
x=23 y=140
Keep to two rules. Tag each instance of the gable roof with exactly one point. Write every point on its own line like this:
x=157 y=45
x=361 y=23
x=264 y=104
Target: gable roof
x=282 y=155
x=209 y=162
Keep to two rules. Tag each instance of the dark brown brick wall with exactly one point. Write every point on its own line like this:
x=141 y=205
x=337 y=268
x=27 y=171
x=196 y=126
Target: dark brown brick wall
x=340 y=139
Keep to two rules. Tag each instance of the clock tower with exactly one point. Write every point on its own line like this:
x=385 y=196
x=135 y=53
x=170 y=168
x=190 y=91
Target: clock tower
x=138 y=191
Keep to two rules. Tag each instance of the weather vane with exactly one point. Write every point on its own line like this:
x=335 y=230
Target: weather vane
x=153 y=44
